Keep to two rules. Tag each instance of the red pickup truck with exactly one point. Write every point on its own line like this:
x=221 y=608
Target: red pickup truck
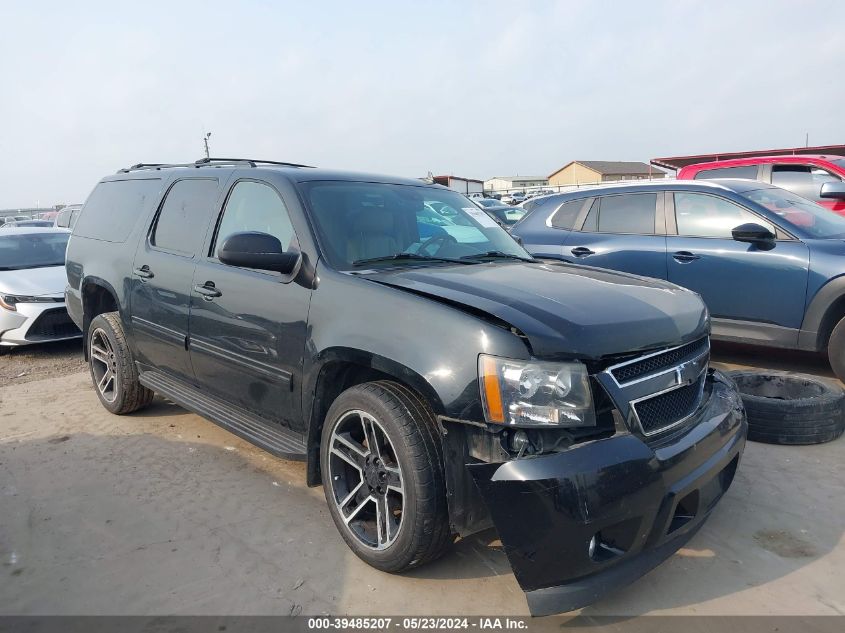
x=801 y=174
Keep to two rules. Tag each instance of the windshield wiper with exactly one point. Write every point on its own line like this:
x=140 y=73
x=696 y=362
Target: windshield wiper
x=499 y=255
x=411 y=256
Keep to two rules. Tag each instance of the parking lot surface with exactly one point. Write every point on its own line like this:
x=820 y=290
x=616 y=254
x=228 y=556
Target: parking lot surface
x=162 y=512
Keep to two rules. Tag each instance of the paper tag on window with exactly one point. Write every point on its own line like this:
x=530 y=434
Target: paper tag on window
x=481 y=217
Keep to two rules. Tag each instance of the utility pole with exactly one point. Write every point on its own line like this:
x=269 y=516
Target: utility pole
x=205 y=140
x=807 y=140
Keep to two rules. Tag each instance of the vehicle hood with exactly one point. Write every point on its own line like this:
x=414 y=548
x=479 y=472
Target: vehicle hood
x=565 y=310
x=49 y=281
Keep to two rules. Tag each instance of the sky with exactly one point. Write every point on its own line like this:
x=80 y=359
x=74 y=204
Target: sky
x=474 y=89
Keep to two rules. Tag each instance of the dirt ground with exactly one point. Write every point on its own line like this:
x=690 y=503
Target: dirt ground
x=40 y=362
x=162 y=512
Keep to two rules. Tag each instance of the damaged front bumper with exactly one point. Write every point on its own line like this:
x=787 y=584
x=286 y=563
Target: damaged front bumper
x=580 y=523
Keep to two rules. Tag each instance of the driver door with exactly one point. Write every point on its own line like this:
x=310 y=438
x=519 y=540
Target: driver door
x=738 y=281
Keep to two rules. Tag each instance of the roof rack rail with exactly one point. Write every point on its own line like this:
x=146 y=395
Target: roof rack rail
x=252 y=162
x=210 y=162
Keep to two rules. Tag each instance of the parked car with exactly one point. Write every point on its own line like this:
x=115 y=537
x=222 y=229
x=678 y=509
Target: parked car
x=66 y=218
x=767 y=262
x=489 y=202
x=27 y=223
x=513 y=198
x=435 y=386
x=32 y=284
x=505 y=215
x=803 y=175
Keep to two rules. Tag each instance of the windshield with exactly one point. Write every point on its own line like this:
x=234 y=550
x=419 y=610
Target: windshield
x=359 y=221
x=32 y=250
x=809 y=217
x=491 y=202
x=839 y=162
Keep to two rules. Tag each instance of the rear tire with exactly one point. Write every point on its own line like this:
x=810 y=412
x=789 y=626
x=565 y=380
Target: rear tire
x=112 y=366
x=408 y=457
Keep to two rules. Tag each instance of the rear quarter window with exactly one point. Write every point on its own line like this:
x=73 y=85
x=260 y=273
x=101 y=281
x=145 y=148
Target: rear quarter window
x=567 y=213
x=746 y=172
x=114 y=207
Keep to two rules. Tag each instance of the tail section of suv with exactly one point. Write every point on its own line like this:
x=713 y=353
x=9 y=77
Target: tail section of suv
x=436 y=378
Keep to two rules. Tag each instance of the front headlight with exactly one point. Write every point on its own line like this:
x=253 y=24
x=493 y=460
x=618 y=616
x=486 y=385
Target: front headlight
x=535 y=393
x=10 y=302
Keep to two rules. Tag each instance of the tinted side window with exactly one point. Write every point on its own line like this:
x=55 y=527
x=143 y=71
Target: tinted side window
x=748 y=172
x=631 y=213
x=567 y=213
x=805 y=180
x=253 y=206
x=184 y=215
x=591 y=222
x=700 y=215
x=114 y=207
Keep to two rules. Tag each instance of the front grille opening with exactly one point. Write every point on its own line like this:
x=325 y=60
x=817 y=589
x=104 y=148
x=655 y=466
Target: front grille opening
x=52 y=324
x=685 y=511
x=667 y=409
x=659 y=362
x=614 y=540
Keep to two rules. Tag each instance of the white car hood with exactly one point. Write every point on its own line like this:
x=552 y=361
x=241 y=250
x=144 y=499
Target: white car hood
x=49 y=281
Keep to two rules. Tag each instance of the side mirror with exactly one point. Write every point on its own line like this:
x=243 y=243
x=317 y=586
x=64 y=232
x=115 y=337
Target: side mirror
x=835 y=190
x=752 y=232
x=261 y=251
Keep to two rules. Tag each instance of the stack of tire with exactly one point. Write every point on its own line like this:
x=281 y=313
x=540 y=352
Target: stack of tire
x=786 y=408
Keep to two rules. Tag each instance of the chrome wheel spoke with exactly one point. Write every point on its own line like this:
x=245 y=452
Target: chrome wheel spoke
x=371 y=434
x=349 y=451
x=357 y=510
x=382 y=521
x=100 y=354
x=344 y=503
x=394 y=479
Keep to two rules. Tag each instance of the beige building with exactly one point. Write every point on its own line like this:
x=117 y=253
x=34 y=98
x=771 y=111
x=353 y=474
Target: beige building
x=580 y=172
x=507 y=183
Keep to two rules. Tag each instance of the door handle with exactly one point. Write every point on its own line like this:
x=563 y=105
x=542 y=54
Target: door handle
x=207 y=290
x=582 y=251
x=143 y=272
x=685 y=257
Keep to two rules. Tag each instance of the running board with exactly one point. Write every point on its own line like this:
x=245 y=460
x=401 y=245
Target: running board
x=271 y=437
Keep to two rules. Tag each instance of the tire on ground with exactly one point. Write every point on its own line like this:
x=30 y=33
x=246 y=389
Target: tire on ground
x=785 y=408
x=130 y=394
x=409 y=423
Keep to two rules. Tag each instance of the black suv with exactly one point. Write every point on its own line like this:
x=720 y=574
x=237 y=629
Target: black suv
x=435 y=377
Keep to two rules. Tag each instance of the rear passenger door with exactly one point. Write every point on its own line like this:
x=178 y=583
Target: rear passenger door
x=622 y=232
x=160 y=284
x=247 y=331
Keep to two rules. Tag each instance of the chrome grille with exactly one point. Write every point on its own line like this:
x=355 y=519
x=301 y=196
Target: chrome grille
x=669 y=409
x=661 y=390
x=661 y=360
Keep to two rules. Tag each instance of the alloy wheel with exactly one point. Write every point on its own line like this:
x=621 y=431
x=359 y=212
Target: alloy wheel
x=103 y=365
x=366 y=480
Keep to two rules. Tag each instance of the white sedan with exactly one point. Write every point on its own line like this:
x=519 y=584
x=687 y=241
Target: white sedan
x=32 y=286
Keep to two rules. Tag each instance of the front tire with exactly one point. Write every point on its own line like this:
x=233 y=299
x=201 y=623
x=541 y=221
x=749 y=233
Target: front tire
x=836 y=350
x=112 y=366
x=382 y=470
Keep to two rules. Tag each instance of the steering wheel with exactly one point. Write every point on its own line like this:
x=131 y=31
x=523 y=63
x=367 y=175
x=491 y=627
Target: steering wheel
x=442 y=240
